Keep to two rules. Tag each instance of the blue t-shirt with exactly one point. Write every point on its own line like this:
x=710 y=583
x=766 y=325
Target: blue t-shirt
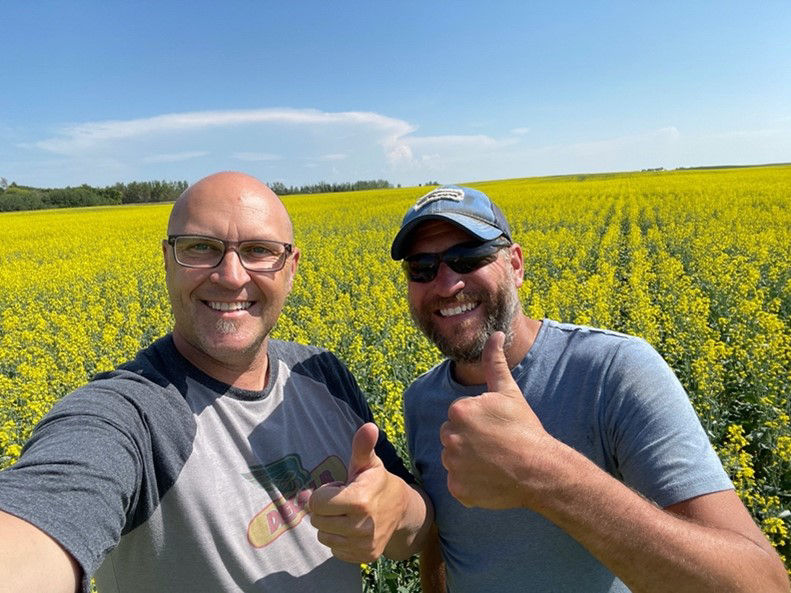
x=609 y=396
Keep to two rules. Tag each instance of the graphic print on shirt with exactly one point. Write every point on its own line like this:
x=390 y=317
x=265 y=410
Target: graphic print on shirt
x=290 y=486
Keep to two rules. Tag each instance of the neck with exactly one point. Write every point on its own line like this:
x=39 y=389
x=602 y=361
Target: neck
x=238 y=369
x=524 y=331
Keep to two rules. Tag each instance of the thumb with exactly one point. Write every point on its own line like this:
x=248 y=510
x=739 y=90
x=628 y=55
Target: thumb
x=498 y=375
x=363 y=455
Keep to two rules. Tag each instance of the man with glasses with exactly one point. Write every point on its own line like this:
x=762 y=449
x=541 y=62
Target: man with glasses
x=219 y=459
x=557 y=457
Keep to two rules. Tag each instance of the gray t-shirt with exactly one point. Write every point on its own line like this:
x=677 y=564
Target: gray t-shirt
x=609 y=396
x=160 y=479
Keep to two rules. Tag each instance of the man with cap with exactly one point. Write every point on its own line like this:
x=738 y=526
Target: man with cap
x=558 y=457
x=218 y=460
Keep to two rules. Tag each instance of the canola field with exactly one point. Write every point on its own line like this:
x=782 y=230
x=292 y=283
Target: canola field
x=696 y=262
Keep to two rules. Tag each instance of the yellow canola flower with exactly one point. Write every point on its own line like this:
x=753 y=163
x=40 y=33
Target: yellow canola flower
x=696 y=262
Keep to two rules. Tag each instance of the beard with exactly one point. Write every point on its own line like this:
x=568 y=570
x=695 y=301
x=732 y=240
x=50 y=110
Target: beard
x=502 y=307
x=226 y=327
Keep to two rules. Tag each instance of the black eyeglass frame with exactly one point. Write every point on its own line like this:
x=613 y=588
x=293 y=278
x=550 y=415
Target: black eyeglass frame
x=462 y=258
x=288 y=249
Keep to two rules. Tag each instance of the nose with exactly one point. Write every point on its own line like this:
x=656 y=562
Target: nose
x=230 y=272
x=448 y=283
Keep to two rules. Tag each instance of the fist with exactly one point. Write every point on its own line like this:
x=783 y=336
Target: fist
x=356 y=520
x=491 y=440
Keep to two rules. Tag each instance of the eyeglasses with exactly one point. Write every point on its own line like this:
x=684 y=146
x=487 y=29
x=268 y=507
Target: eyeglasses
x=462 y=259
x=258 y=255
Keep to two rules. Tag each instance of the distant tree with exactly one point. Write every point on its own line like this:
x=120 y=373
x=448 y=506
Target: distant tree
x=323 y=187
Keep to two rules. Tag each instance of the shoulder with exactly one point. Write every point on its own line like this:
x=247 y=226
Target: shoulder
x=158 y=364
x=318 y=365
x=293 y=353
x=577 y=334
x=149 y=385
x=305 y=359
x=596 y=344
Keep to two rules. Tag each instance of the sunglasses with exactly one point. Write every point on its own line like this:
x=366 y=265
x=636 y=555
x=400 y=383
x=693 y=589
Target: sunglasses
x=462 y=259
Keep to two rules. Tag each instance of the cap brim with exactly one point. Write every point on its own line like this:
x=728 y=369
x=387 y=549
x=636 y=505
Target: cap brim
x=479 y=229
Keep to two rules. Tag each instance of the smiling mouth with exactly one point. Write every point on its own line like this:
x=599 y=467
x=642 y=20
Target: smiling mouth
x=458 y=309
x=225 y=306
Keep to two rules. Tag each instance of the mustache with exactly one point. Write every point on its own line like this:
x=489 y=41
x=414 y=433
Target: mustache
x=463 y=296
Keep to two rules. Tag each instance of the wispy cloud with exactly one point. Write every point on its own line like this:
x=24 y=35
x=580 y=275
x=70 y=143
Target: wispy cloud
x=78 y=138
x=397 y=140
x=304 y=145
x=175 y=157
x=456 y=140
x=661 y=136
x=748 y=134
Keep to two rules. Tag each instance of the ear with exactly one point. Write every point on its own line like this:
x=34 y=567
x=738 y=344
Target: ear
x=292 y=267
x=165 y=252
x=517 y=264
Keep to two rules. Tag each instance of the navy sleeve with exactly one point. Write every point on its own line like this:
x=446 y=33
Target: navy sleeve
x=78 y=476
x=342 y=384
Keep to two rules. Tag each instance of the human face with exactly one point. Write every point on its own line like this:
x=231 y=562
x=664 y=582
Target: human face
x=458 y=312
x=224 y=315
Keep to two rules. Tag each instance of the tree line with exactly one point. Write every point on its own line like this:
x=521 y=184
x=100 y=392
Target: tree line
x=19 y=197
x=324 y=188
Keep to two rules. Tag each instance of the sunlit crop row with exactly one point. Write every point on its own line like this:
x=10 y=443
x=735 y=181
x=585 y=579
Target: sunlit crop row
x=696 y=262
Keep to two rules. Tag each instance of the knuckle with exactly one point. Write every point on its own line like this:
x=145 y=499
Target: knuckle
x=367 y=530
x=358 y=507
x=445 y=457
x=323 y=539
x=455 y=488
x=461 y=409
x=444 y=434
x=457 y=406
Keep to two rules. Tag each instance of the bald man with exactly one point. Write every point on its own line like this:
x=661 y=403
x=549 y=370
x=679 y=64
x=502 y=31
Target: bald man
x=218 y=459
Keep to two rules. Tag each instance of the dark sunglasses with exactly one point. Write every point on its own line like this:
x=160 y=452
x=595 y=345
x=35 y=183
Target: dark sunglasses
x=462 y=259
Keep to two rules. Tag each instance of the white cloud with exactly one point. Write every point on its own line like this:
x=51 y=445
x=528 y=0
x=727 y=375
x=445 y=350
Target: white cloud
x=399 y=154
x=78 y=138
x=302 y=146
x=455 y=141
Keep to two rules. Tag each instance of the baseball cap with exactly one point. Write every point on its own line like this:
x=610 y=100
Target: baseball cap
x=469 y=209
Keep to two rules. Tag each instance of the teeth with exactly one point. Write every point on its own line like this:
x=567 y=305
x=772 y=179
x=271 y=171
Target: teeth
x=235 y=306
x=457 y=310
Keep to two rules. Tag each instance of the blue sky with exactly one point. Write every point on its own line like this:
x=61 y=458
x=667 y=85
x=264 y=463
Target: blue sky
x=100 y=91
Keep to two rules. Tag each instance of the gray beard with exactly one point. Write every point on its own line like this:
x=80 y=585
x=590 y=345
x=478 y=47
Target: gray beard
x=226 y=327
x=501 y=309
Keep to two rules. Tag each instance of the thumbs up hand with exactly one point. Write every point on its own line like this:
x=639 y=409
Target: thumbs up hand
x=493 y=442
x=357 y=519
x=363 y=454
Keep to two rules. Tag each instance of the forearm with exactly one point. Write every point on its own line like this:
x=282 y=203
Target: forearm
x=649 y=548
x=30 y=560
x=410 y=535
x=432 y=565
